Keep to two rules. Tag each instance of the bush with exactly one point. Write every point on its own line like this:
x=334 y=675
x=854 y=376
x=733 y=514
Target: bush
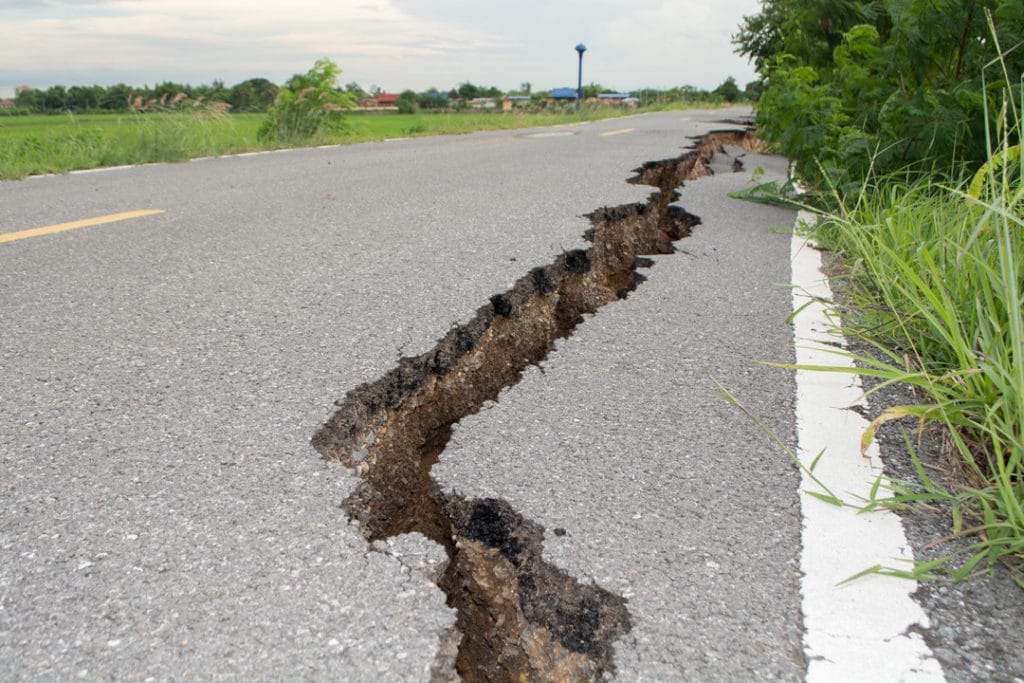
x=407 y=102
x=309 y=105
x=884 y=87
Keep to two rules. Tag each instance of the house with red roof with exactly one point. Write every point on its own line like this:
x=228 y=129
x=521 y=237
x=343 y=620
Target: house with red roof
x=381 y=101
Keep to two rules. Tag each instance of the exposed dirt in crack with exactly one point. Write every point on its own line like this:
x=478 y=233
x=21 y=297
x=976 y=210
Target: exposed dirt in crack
x=520 y=617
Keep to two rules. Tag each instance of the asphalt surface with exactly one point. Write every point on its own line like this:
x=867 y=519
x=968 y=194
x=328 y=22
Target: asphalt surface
x=163 y=513
x=164 y=516
x=668 y=495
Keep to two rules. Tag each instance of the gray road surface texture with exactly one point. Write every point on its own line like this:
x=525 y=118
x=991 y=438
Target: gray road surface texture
x=163 y=512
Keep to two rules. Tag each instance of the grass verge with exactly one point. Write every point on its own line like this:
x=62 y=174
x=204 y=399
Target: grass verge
x=933 y=281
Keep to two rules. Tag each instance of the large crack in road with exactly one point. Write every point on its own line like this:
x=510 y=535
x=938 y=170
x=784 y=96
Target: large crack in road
x=519 y=616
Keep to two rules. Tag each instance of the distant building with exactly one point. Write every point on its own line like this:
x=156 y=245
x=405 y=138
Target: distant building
x=381 y=101
x=512 y=101
x=621 y=99
x=7 y=104
x=563 y=93
x=23 y=88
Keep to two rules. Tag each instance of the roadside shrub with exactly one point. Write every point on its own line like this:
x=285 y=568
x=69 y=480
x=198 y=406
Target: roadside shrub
x=309 y=105
x=884 y=87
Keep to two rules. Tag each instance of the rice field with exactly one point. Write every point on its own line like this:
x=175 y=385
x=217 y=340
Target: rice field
x=33 y=145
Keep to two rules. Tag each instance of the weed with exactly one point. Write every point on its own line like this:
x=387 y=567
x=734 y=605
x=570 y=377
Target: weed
x=933 y=283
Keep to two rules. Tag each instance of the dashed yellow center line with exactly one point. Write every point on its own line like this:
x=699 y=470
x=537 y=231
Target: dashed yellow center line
x=74 y=225
x=617 y=132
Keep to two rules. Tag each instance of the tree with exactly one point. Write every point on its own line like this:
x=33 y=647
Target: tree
x=407 y=102
x=310 y=104
x=55 y=98
x=215 y=92
x=357 y=91
x=432 y=99
x=116 y=98
x=753 y=90
x=30 y=99
x=809 y=29
x=852 y=88
x=728 y=90
x=253 y=95
x=84 y=98
x=468 y=91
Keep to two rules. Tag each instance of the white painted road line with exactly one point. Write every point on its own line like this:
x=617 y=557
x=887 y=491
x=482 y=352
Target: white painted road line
x=858 y=631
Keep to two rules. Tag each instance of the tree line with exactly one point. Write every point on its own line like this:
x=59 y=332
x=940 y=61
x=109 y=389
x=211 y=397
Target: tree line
x=259 y=94
x=254 y=94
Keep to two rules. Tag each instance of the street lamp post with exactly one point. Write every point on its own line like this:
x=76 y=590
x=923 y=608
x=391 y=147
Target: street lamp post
x=581 y=48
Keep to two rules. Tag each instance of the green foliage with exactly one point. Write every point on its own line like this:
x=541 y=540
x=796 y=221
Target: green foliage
x=467 y=91
x=309 y=105
x=885 y=108
x=407 y=102
x=934 y=284
x=807 y=29
x=56 y=144
x=431 y=99
x=753 y=90
x=728 y=90
x=253 y=95
x=852 y=88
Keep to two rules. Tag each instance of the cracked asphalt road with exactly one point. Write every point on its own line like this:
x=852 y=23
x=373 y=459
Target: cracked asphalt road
x=163 y=513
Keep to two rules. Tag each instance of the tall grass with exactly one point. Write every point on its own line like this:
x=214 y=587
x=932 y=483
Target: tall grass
x=51 y=144
x=934 y=282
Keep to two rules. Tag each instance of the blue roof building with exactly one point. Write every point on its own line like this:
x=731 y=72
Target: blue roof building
x=563 y=93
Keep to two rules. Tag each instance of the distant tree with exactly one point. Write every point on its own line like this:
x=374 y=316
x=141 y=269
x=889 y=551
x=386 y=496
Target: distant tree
x=357 y=91
x=310 y=104
x=168 y=89
x=84 y=98
x=31 y=99
x=407 y=102
x=753 y=90
x=432 y=99
x=55 y=99
x=253 y=95
x=215 y=92
x=728 y=90
x=468 y=91
x=525 y=87
x=690 y=93
x=116 y=98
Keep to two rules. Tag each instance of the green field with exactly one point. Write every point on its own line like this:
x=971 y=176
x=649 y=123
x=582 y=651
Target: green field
x=32 y=145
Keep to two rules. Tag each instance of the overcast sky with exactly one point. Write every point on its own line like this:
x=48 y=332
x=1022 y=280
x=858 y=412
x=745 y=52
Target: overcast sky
x=395 y=44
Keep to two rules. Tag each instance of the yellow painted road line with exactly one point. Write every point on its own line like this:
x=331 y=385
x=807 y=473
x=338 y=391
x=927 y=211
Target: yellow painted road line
x=617 y=132
x=74 y=225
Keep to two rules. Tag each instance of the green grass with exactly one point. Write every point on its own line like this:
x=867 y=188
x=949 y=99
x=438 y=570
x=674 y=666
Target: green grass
x=934 y=282
x=31 y=145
